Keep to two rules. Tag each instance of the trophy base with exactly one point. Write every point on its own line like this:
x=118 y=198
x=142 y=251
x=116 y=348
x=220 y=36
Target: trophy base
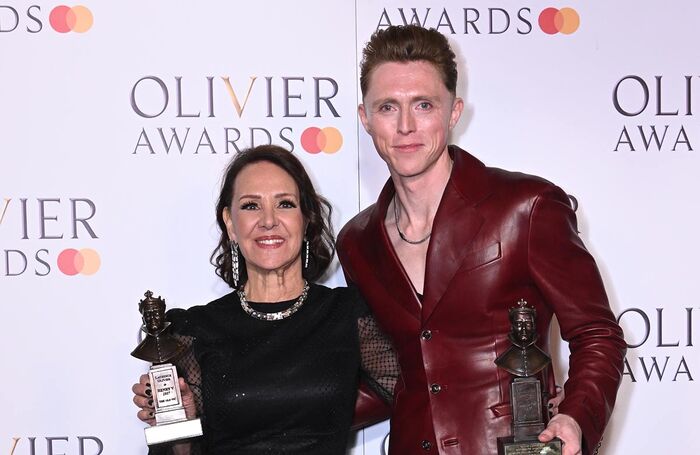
x=506 y=446
x=159 y=434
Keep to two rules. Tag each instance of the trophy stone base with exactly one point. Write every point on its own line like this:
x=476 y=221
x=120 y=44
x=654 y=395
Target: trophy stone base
x=506 y=446
x=173 y=431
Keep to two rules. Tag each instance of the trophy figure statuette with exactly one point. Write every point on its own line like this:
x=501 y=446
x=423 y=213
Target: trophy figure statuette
x=159 y=347
x=524 y=360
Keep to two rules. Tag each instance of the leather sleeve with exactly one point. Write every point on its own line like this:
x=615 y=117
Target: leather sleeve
x=569 y=280
x=369 y=408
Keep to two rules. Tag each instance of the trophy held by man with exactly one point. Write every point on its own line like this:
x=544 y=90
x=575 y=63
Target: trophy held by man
x=524 y=360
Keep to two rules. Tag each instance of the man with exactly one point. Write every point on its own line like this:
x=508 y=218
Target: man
x=449 y=247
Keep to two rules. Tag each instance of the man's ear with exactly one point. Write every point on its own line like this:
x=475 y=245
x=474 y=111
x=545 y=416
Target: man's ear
x=457 y=108
x=363 y=117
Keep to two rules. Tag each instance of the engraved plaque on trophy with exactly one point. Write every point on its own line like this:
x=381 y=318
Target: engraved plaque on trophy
x=159 y=347
x=524 y=360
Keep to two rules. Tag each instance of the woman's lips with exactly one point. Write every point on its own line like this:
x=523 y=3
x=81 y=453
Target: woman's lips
x=269 y=241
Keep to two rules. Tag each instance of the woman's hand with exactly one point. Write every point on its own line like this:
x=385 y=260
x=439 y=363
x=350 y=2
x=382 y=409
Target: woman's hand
x=143 y=398
x=554 y=403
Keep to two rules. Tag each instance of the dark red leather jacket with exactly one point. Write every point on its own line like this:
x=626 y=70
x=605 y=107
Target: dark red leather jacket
x=497 y=237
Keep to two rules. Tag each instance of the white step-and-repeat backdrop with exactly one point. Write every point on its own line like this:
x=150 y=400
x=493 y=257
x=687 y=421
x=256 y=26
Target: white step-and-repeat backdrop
x=116 y=119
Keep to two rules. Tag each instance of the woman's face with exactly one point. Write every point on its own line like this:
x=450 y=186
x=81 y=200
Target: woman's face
x=265 y=220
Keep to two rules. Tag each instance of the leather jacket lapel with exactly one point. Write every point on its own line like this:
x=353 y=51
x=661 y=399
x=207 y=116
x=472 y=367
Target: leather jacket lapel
x=377 y=246
x=455 y=226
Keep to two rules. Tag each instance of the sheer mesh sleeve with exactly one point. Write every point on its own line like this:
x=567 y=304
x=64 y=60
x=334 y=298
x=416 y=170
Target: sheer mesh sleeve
x=379 y=364
x=188 y=369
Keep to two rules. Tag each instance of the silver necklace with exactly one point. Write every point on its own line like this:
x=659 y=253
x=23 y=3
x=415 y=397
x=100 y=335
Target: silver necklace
x=401 y=234
x=278 y=316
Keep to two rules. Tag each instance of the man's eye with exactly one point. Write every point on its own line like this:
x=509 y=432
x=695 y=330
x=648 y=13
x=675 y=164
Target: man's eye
x=385 y=108
x=424 y=105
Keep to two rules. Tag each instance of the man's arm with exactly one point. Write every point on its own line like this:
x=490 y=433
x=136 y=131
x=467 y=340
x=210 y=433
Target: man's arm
x=569 y=280
x=369 y=408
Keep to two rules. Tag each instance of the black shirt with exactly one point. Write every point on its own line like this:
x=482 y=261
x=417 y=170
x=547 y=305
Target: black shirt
x=281 y=387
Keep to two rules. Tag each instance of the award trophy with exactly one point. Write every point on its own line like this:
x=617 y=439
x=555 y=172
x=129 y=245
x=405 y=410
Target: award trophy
x=159 y=347
x=524 y=360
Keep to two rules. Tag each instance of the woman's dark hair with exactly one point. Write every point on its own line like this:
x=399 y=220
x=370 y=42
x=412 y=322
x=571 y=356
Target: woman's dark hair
x=315 y=209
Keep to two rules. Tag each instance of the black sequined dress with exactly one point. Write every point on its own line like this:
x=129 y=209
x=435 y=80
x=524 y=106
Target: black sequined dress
x=281 y=387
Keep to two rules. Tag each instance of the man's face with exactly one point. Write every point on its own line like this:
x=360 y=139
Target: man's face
x=524 y=327
x=408 y=111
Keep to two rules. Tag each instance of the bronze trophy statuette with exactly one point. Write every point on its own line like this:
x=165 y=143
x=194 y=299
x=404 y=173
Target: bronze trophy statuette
x=159 y=347
x=524 y=360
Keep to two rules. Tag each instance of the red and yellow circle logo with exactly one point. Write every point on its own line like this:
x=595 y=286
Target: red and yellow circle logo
x=553 y=21
x=64 y=19
x=85 y=261
x=316 y=140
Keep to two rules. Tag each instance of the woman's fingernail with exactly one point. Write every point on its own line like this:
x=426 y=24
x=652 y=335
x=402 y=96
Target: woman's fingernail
x=148 y=384
x=150 y=402
x=150 y=414
x=148 y=392
x=550 y=405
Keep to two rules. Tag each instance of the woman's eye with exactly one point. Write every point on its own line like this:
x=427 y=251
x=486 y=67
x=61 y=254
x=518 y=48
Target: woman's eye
x=249 y=206
x=286 y=204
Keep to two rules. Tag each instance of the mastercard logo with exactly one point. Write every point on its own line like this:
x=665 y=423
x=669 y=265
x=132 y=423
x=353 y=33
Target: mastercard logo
x=85 y=261
x=64 y=19
x=316 y=140
x=553 y=21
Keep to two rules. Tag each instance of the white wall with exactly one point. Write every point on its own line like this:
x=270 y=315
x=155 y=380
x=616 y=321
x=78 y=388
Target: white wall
x=72 y=145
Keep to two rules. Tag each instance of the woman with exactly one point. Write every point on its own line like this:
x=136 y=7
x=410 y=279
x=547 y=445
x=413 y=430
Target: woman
x=273 y=366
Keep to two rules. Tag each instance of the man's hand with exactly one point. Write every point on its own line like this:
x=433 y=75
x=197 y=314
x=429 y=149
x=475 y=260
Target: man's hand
x=565 y=428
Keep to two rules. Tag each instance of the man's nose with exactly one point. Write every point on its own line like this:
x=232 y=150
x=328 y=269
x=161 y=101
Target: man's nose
x=407 y=123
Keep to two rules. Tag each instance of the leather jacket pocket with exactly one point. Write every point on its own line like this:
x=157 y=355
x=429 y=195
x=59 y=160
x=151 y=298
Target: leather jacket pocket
x=501 y=410
x=480 y=257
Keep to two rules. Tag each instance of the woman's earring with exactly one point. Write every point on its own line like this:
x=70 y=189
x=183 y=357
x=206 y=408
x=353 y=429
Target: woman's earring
x=234 y=263
x=306 y=259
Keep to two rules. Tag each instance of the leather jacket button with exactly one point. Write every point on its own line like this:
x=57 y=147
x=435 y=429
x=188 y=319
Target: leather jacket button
x=426 y=445
x=435 y=389
x=426 y=335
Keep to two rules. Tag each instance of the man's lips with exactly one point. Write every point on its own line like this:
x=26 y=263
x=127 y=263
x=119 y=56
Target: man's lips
x=405 y=148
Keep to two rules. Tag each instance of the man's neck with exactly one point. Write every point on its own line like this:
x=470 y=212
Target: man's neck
x=419 y=196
